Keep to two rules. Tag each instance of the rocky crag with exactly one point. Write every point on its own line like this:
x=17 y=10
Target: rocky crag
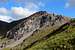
x=26 y=27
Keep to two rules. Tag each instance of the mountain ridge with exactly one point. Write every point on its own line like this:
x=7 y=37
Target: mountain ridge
x=26 y=27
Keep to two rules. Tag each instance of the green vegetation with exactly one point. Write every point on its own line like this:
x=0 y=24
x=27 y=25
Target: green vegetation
x=40 y=40
x=73 y=20
x=62 y=40
x=38 y=34
x=6 y=49
x=46 y=38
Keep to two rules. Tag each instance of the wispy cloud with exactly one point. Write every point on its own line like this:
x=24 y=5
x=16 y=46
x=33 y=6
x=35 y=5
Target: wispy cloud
x=29 y=7
x=20 y=12
x=70 y=3
x=67 y=5
x=15 y=12
x=27 y=10
x=4 y=1
x=3 y=11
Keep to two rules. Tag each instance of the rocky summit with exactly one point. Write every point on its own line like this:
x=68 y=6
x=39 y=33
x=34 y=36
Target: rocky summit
x=34 y=30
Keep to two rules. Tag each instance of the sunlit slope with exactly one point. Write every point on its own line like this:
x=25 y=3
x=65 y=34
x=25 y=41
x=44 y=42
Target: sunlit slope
x=62 y=38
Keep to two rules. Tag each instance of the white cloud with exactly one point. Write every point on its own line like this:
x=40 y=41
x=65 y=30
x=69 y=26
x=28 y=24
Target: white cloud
x=70 y=3
x=16 y=13
x=6 y=18
x=20 y=12
x=67 y=5
x=32 y=6
x=27 y=10
x=3 y=11
x=41 y=4
x=4 y=15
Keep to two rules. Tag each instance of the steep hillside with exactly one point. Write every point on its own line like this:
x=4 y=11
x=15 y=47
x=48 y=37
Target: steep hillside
x=61 y=39
x=33 y=30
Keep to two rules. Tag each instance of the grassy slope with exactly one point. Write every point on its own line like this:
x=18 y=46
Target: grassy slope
x=62 y=39
x=37 y=37
x=34 y=38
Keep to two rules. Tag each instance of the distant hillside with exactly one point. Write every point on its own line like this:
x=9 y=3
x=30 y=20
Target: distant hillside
x=3 y=27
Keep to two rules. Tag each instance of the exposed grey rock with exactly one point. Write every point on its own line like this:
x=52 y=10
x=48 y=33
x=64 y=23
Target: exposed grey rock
x=33 y=23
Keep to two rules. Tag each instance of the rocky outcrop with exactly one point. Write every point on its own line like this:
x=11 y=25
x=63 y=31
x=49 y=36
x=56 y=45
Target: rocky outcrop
x=26 y=27
x=5 y=26
x=35 y=21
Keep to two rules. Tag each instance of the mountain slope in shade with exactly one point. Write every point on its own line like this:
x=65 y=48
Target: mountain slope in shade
x=3 y=25
x=39 y=24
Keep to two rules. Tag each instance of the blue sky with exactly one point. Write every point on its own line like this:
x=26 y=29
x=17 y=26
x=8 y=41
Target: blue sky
x=16 y=9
